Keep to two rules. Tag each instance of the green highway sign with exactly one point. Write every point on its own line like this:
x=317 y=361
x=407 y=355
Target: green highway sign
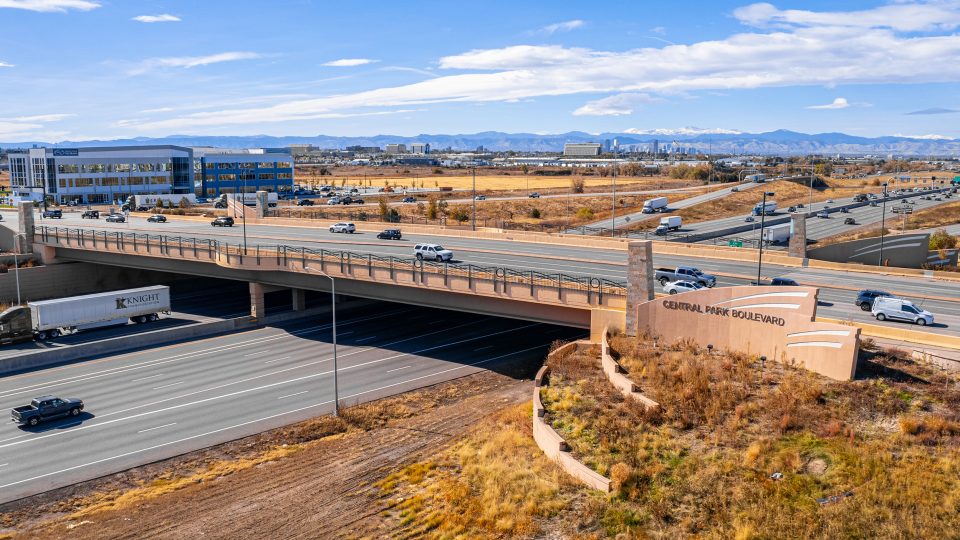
x=735 y=243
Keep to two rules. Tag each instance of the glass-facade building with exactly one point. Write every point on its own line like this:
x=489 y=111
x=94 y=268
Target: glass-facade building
x=106 y=175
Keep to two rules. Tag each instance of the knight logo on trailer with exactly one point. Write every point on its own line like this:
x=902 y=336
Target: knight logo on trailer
x=139 y=300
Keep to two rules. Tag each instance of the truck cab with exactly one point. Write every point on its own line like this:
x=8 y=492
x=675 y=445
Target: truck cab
x=15 y=325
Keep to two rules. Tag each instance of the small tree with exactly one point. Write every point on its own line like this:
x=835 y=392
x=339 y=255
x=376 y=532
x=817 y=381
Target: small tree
x=942 y=240
x=184 y=202
x=432 y=209
x=535 y=213
x=382 y=204
x=524 y=168
x=461 y=214
x=159 y=204
x=585 y=213
x=393 y=216
x=437 y=170
x=577 y=184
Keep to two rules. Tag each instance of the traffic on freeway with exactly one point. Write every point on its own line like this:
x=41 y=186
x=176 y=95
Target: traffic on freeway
x=838 y=289
x=144 y=406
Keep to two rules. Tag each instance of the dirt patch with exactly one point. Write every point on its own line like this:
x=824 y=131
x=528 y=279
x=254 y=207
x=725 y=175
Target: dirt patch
x=322 y=487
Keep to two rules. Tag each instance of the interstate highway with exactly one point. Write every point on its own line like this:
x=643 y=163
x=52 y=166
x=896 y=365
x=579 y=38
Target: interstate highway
x=838 y=289
x=150 y=405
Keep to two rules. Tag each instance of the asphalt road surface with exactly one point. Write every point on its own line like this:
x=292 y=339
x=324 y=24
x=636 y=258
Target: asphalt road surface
x=153 y=404
x=838 y=289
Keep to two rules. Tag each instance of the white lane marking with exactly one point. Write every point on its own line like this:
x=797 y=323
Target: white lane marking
x=248 y=390
x=397 y=369
x=361 y=340
x=275 y=360
x=169 y=385
x=3 y=464
x=147 y=378
x=483 y=348
x=158 y=427
x=291 y=395
x=253 y=354
x=35 y=388
x=344 y=333
x=242 y=424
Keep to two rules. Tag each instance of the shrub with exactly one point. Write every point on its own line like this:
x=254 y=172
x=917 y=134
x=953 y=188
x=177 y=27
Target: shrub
x=585 y=213
x=942 y=240
x=432 y=209
x=577 y=185
x=535 y=213
x=438 y=170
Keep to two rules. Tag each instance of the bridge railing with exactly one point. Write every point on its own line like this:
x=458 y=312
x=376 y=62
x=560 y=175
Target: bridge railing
x=345 y=262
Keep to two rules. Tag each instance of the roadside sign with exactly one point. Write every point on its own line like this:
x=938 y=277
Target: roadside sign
x=735 y=243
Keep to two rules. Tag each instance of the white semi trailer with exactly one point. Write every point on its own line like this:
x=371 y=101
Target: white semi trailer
x=654 y=205
x=47 y=319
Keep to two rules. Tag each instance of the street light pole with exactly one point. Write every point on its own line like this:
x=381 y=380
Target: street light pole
x=243 y=201
x=333 y=309
x=16 y=262
x=883 y=218
x=763 y=215
x=613 y=200
x=474 y=169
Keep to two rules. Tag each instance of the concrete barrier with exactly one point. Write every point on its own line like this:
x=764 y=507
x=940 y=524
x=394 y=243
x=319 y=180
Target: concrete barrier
x=616 y=375
x=552 y=444
x=901 y=334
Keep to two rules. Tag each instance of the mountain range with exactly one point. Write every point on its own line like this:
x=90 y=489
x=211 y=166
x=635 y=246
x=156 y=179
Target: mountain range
x=715 y=141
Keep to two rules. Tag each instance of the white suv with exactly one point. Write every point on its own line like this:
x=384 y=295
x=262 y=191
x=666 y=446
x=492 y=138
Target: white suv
x=432 y=252
x=343 y=227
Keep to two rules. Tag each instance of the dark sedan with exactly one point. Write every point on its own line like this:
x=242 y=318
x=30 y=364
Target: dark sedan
x=389 y=234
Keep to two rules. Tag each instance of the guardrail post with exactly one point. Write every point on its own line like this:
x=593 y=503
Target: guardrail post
x=134 y=242
x=470 y=276
x=531 y=283
x=391 y=268
x=180 y=244
x=369 y=265
x=258 y=254
x=559 y=288
x=303 y=257
x=94 y=239
x=194 y=247
x=323 y=260
x=446 y=267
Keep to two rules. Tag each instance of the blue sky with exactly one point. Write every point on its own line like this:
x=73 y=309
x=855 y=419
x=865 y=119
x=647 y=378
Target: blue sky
x=84 y=69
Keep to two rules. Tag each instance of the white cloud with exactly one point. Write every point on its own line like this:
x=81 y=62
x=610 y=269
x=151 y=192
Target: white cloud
x=564 y=26
x=50 y=5
x=616 y=105
x=191 y=61
x=24 y=128
x=901 y=16
x=838 y=103
x=797 y=55
x=410 y=70
x=348 y=62
x=158 y=110
x=658 y=30
x=43 y=118
x=165 y=17
x=4 y=64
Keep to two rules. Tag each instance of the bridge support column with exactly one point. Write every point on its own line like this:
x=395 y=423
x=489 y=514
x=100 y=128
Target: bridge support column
x=798 y=236
x=261 y=204
x=24 y=244
x=299 y=299
x=258 y=307
x=639 y=280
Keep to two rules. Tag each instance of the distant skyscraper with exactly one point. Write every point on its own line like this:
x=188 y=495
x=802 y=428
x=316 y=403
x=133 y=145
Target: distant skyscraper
x=606 y=145
x=655 y=148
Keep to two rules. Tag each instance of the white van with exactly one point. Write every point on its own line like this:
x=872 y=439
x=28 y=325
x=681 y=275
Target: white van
x=898 y=309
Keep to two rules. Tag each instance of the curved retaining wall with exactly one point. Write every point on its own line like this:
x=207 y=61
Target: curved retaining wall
x=615 y=374
x=552 y=444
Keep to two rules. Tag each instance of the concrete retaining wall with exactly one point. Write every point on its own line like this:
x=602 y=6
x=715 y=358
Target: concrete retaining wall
x=552 y=444
x=615 y=374
x=901 y=332
x=70 y=279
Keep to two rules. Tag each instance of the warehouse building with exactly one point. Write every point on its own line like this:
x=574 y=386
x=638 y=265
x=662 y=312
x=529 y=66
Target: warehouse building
x=581 y=149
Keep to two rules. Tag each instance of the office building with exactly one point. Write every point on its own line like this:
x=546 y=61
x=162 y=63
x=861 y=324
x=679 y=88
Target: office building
x=420 y=148
x=103 y=175
x=396 y=149
x=581 y=149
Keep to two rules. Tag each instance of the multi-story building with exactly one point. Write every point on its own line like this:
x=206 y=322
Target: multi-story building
x=581 y=149
x=396 y=149
x=420 y=148
x=100 y=175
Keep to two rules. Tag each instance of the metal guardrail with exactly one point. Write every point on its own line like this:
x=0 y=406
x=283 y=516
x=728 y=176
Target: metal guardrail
x=348 y=262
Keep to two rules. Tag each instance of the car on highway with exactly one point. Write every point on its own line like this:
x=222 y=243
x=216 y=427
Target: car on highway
x=783 y=282
x=346 y=199
x=734 y=190
x=409 y=200
x=849 y=221
x=749 y=219
x=792 y=209
x=829 y=201
x=534 y=195
x=354 y=191
x=343 y=227
x=800 y=205
x=46 y=408
x=898 y=309
x=222 y=221
x=305 y=202
x=844 y=210
x=116 y=218
x=677 y=287
x=432 y=252
x=90 y=214
x=389 y=234
x=684 y=273
x=157 y=218
x=333 y=200
x=56 y=214
x=201 y=200
x=866 y=297
x=358 y=201
x=873 y=204
x=823 y=215
x=480 y=198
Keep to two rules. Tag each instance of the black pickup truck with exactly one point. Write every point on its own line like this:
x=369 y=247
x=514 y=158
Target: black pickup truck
x=46 y=408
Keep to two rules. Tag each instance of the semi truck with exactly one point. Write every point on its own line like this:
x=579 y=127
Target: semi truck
x=654 y=205
x=757 y=178
x=145 y=203
x=249 y=199
x=765 y=208
x=776 y=234
x=669 y=223
x=48 y=319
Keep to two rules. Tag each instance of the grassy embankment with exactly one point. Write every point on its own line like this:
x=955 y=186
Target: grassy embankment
x=872 y=458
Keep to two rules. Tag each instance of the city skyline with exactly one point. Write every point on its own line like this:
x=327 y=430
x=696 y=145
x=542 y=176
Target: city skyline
x=89 y=69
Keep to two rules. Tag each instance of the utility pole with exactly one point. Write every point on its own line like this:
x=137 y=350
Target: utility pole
x=474 y=169
x=883 y=218
x=763 y=215
x=613 y=212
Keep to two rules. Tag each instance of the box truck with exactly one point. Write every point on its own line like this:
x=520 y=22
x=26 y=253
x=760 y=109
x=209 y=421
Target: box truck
x=669 y=223
x=776 y=234
x=765 y=208
x=47 y=319
x=757 y=178
x=654 y=205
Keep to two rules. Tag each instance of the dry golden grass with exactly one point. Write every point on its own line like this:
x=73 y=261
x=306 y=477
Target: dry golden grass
x=873 y=458
x=485 y=182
